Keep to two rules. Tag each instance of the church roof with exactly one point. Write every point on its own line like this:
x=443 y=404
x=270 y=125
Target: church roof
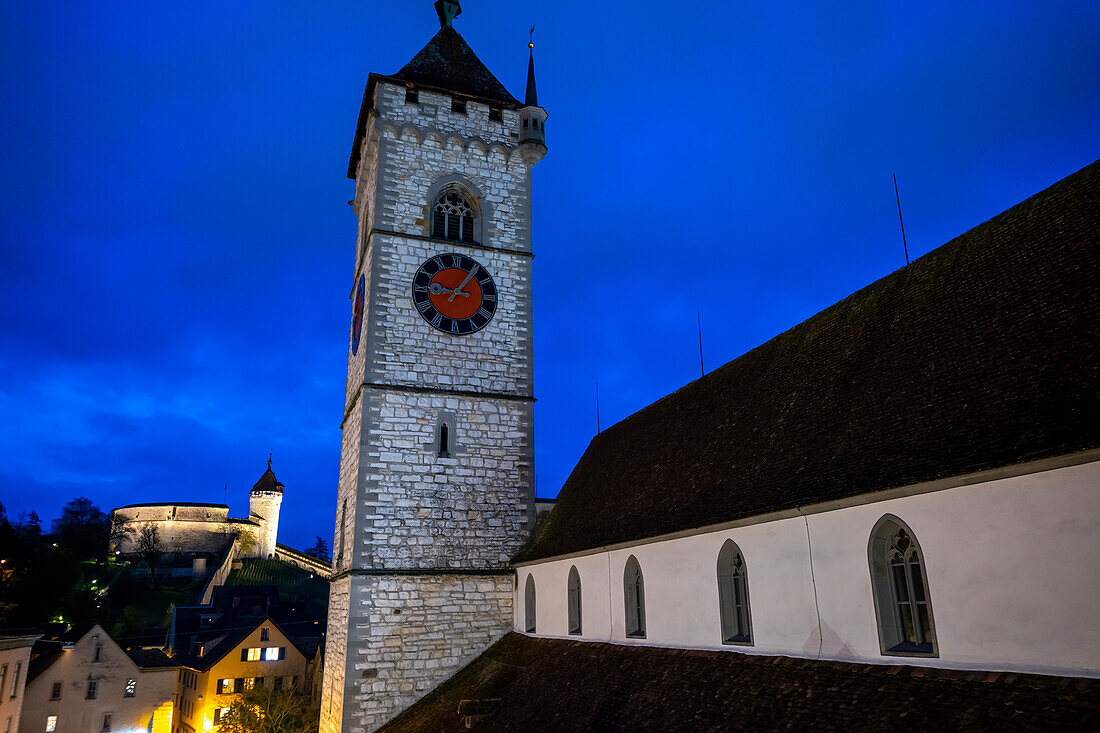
x=983 y=353
x=446 y=64
x=526 y=683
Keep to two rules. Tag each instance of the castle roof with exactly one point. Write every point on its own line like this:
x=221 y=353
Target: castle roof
x=171 y=504
x=526 y=683
x=268 y=482
x=984 y=353
x=446 y=64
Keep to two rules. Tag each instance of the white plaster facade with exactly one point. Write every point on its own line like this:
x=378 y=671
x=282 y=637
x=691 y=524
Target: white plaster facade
x=1008 y=557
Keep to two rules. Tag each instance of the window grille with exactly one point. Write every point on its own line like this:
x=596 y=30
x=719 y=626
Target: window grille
x=574 y=601
x=106 y=723
x=529 y=605
x=733 y=595
x=93 y=689
x=55 y=691
x=902 y=604
x=263 y=634
x=453 y=217
x=634 y=599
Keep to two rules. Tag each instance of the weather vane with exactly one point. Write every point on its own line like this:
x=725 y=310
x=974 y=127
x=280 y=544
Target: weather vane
x=531 y=44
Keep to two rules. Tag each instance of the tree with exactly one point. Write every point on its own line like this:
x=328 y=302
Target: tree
x=319 y=551
x=82 y=529
x=264 y=709
x=122 y=534
x=149 y=548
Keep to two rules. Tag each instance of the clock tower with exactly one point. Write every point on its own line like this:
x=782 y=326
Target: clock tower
x=436 y=466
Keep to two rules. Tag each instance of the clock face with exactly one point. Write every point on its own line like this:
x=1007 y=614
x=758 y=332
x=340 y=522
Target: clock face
x=357 y=315
x=455 y=294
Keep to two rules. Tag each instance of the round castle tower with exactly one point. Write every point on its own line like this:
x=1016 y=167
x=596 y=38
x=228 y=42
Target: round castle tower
x=264 y=502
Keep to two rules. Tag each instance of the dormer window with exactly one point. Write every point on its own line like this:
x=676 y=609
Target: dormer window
x=453 y=217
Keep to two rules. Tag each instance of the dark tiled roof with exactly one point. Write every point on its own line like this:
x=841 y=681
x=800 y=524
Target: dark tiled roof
x=43 y=654
x=981 y=354
x=151 y=658
x=558 y=685
x=268 y=482
x=446 y=64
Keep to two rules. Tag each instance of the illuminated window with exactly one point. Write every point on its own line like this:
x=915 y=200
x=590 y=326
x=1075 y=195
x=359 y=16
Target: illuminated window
x=263 y=634
x=225 y=686
x=51 y=723
x=131 y=687
x=249 y=683
x=251 y=654
x=106 y=722
x=55 y=691
x=15 y=680
x=93 y=688
x=274 y=653
x=219 y=713
x=7 y=725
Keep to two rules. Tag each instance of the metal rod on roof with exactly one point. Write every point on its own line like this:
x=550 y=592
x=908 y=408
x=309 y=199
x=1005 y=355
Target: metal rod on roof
x=900 y=220
x=699 y=318
x=597 y=407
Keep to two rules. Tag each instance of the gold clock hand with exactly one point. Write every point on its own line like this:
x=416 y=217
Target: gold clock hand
x=469 y=277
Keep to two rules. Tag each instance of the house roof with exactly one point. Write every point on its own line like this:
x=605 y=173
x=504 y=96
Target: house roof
x=268 y=482
x=555 y=684
x=983 y=353
x=151 y=658
x=446 y=64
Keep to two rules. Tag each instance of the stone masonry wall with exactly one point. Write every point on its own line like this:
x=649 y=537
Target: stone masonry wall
x=334 y=680
x=414 y=632
x=418 y=510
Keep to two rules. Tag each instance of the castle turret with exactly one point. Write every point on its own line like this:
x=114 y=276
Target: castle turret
x=264 y=502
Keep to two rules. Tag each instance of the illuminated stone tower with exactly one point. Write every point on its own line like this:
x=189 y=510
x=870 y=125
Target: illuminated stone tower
x=264 y=502
x=436 y=468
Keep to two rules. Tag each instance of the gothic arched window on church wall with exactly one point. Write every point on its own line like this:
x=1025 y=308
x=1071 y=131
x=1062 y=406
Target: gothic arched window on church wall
x=634 y=599
x=903 y=607
x=733 y=595
x=454 y=216
x=574 y=601
x=529 y=605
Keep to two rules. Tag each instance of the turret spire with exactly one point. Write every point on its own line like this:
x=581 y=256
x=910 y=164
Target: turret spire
x=532 y=99
x=448 y=10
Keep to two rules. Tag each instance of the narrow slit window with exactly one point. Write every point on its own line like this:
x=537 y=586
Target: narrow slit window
x=444 y=440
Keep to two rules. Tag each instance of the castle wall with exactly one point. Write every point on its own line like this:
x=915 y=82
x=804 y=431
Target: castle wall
x=184 y=529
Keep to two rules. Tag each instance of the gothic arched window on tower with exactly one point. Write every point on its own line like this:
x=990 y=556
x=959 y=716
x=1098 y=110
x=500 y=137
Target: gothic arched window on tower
x=529 y=605
x=733 y=595
x=574 y=601
x=902 y=603
x=634 y=599
x=453 y=216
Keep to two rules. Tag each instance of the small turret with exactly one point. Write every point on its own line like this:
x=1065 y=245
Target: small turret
x=264 y=502
x=532 y=117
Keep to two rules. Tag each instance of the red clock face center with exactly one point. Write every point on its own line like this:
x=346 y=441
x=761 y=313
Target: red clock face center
x=457 y=306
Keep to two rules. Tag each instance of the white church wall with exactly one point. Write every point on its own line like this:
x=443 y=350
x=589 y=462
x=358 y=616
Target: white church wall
x=1011 y=579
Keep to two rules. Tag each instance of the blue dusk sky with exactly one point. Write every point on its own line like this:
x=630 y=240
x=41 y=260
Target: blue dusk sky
x=176 y=248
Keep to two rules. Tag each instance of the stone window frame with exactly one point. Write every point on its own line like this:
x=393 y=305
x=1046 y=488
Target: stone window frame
x=884 y=592
x=573 y=602
x=453 y=447
x=530 y=620
x=483 y=210
x=734 y=608
x=634 y=624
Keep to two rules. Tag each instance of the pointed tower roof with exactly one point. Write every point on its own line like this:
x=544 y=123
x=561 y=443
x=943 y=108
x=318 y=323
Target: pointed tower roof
x=532 y=98
x=447 y=64
x=268 y=482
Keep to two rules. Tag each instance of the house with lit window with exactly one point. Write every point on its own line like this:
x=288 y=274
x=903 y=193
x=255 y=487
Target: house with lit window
x=85 y=682
x=884 y=515
x=233 y=656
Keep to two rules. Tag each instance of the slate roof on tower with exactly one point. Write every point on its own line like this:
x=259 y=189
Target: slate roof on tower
x=446 y=64
x=984 y=353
